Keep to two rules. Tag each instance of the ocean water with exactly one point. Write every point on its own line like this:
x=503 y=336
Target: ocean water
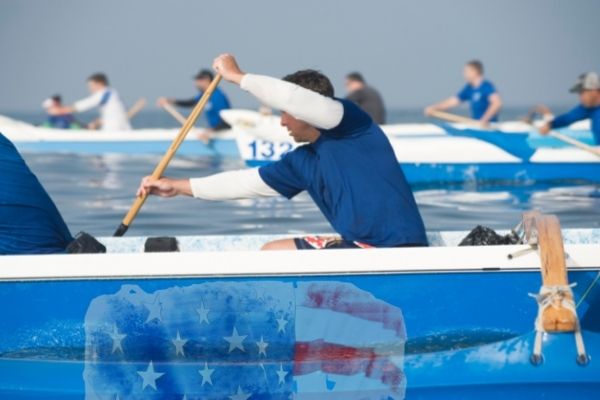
x=94 y=192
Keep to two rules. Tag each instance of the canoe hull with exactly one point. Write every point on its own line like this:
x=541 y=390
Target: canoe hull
x=465 y=335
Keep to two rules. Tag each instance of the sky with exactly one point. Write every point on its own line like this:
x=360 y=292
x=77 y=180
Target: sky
x=412 y=51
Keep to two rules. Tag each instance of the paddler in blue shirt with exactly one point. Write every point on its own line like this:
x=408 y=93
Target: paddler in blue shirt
x=483 y=98
x=347 y=165
x=62 y=121
x=218 y=102
x=29 y=221
x=588 y=88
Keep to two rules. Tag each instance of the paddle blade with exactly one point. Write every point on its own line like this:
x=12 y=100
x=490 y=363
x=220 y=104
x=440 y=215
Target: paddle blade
x=515 y=144
x=121 y=230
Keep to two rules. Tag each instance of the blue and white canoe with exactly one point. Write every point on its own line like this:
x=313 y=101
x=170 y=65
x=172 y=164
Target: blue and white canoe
x=416 y=323
x=427 y=153
x=454 y=153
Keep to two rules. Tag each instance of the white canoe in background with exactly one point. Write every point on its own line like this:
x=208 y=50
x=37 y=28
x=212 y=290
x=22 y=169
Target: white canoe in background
x=426 y=153
x=30 y=138
x=33 y=139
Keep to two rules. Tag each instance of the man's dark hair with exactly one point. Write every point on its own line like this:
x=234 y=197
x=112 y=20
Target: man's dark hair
x=99 y=77
x=57 y=98
x=312 y=80
x=205 y=74
x=355 y=76
x=477 y=65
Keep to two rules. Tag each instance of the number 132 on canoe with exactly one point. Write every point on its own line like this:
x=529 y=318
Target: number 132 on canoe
x=265 y=150
x=268 y=151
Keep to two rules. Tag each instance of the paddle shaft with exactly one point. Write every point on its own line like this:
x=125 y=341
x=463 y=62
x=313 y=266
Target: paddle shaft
x=446 y=116
x=574 y=142
x=136 y=108
x=164 y=162
x=174 y=113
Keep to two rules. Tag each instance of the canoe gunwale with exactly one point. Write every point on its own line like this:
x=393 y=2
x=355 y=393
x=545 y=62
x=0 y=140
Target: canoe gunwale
x=430 y=260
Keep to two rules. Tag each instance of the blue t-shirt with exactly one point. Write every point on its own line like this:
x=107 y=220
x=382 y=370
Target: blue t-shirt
x=60 y=121
x=352 y=174
x=577 y=114
x=217 y=102
x=29 y=220
x=478 y=98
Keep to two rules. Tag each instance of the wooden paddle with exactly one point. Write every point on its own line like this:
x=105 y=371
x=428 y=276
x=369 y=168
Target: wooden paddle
x=574 y=142
x=446 y=116
x=164 y=162
x=136 y=108
x=174 y=113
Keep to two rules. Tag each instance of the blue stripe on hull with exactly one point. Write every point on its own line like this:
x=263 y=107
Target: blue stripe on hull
x=432 y=173
x=218 y=147
x=456 y=173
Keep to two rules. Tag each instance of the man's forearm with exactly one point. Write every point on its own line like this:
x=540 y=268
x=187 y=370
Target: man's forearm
x=230 y=185
x=182 y=187
x=490 y=113
x=576 y=114
x=446 y=104
x=492 y=110
x=185 y=103
x=62 y=110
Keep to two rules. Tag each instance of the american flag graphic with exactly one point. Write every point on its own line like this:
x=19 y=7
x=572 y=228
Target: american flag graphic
x=244 y=340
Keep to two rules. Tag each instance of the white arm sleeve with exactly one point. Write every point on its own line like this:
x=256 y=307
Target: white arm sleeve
x=232 y=185
x=89 y=102
x=317 y=110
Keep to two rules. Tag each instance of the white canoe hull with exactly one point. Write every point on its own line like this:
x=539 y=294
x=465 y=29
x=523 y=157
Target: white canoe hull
x=425 y=152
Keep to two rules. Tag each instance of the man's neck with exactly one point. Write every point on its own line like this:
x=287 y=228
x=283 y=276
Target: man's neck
x=314 y=136
x=477 y=82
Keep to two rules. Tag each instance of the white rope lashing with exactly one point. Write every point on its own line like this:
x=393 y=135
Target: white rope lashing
x=556 y=296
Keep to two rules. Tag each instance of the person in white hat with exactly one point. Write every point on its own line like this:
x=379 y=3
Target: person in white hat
x=588 y=88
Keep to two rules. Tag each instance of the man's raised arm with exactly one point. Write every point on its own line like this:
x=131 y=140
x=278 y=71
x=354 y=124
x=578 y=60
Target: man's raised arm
x=313 y=108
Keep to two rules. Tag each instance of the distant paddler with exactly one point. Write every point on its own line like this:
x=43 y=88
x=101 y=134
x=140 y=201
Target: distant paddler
x=481 y=94
x=217 y=102
x=587 y=87
x=58 y=121
x=367 y=97
x=113 y=115
x=346 y=164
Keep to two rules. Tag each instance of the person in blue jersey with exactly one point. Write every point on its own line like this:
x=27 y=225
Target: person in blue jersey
x=346 y=164
x=217 y=102
x=29 y=221
x=58 y=121
x=480 y=93
x=587 y=87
